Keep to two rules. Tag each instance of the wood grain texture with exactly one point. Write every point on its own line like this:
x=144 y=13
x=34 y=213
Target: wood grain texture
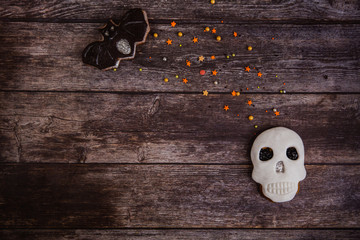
x=308 y=58
x=235 y=10
x=206 y=234
x=171 y=128
x=154 y=196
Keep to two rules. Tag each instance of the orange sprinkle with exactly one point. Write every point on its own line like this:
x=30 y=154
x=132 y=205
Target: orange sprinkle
x=213 y=30
x=235 y=34
x=185 y=80
x=173 y=23
x=212 y=57
x=226 y=107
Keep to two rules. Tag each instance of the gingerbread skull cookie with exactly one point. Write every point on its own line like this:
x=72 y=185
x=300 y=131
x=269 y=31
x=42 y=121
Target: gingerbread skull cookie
x=278 y=158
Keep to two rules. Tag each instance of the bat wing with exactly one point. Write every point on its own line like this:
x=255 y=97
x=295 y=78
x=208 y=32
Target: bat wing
x=97 y=54
x=135 y=24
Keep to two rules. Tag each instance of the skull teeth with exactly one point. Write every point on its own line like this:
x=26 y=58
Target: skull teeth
x=281 y=188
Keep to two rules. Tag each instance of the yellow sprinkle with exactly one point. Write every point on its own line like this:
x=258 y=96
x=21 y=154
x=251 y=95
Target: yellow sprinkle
x=177 y=76
x=114 y=69
x=140 y=69
x=155 y=35
x=249 y=48
x=233 y=54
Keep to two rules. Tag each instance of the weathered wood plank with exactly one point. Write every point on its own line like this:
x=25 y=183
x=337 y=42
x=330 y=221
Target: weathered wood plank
x=171 y=128
x=185 y=196
x=236 y=10
x=308 y=58
x=165 y=234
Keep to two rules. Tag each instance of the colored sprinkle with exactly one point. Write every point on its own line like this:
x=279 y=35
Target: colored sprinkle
x=180 y=34
x=155 y=35
x=140 y=69
x=251 y=118
x=212 y=1
x=226 y=107
x=249 y=48
x=202 y=72
x=207 y=29
x=177 y=76
x=218 y=38
x=166 y=79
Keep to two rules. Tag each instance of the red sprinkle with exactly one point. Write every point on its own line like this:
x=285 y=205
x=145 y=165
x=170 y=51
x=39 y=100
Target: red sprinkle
x=202 y=72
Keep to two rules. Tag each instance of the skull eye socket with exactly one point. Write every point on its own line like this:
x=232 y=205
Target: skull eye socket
x=266 y=154
x=292 y=154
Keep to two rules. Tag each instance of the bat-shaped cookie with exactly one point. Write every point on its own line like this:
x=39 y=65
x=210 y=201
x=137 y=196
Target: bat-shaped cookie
x=119 y=41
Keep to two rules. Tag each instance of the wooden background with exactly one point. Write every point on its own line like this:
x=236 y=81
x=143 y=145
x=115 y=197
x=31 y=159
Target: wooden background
x=88 y=154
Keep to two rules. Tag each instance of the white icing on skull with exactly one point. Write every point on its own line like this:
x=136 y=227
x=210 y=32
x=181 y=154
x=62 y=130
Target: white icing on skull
x=278 y=158
x=123 y=46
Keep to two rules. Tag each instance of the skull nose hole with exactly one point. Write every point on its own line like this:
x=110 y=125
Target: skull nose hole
x=280 y=168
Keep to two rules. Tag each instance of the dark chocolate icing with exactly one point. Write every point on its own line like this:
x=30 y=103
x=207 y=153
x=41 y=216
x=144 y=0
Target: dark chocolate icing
x=119 y=41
